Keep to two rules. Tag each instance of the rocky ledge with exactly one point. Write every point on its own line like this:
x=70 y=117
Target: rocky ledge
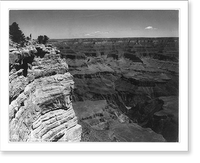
x=40 y=88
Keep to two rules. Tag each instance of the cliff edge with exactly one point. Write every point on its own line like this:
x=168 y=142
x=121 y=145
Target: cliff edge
x=40 y=88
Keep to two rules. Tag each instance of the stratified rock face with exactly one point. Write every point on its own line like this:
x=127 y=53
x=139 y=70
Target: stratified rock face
x=124 y=90
x=137 y=76
x=41 y=106
x=103 y=123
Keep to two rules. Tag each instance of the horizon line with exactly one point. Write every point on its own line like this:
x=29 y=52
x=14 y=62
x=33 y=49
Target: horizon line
x=112 y=37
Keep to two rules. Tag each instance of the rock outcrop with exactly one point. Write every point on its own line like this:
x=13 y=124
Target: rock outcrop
x=40 y=102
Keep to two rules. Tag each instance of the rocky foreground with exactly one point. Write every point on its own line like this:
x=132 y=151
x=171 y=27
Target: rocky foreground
x=118 y=92
x=40 y=88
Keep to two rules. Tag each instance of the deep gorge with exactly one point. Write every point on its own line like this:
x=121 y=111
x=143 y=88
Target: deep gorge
x=138 y=79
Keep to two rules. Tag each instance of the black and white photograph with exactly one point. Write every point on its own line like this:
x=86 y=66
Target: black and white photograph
x=93 y=75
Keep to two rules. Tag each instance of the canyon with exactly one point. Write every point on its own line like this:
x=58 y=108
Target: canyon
x=95 y=90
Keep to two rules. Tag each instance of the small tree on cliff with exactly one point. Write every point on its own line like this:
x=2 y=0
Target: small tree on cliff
x=16 y=35
x=45 y=40
x=42 y=39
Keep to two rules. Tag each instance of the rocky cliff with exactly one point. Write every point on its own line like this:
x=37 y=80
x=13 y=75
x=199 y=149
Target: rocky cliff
x=112 y=91
x=102 y=122
x=137 y=77
x=40 y=88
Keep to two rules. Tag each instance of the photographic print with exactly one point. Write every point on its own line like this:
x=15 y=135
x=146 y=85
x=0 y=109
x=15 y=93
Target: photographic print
x=94 y=76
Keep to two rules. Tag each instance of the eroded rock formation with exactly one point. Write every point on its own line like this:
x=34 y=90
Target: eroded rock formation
x=138 y=77
x=123 y=91
x=40 y=102
x=102 y=122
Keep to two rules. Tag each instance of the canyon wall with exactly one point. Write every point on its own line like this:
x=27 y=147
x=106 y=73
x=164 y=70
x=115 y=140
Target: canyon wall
x=40 y=89
x=94 y=90
x=137 y=77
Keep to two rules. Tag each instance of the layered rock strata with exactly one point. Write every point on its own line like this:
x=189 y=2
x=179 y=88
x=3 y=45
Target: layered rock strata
x=101 y=122
x=40 y=103
x=137 y=76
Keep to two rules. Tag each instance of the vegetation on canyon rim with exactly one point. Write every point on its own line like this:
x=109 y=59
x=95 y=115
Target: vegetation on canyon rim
x=17 y=36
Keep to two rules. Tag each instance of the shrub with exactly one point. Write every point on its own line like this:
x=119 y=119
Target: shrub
x=45 y=40
x=42 y=39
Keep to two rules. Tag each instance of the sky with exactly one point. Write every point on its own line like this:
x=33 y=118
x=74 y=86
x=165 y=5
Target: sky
x=64 y=24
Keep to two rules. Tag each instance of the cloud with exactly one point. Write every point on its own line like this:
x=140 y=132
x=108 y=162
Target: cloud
x=97 y=33
x=150 y=28
x=87 y=34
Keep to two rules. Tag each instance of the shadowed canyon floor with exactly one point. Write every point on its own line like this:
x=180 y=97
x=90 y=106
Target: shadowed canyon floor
x=96 y=90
